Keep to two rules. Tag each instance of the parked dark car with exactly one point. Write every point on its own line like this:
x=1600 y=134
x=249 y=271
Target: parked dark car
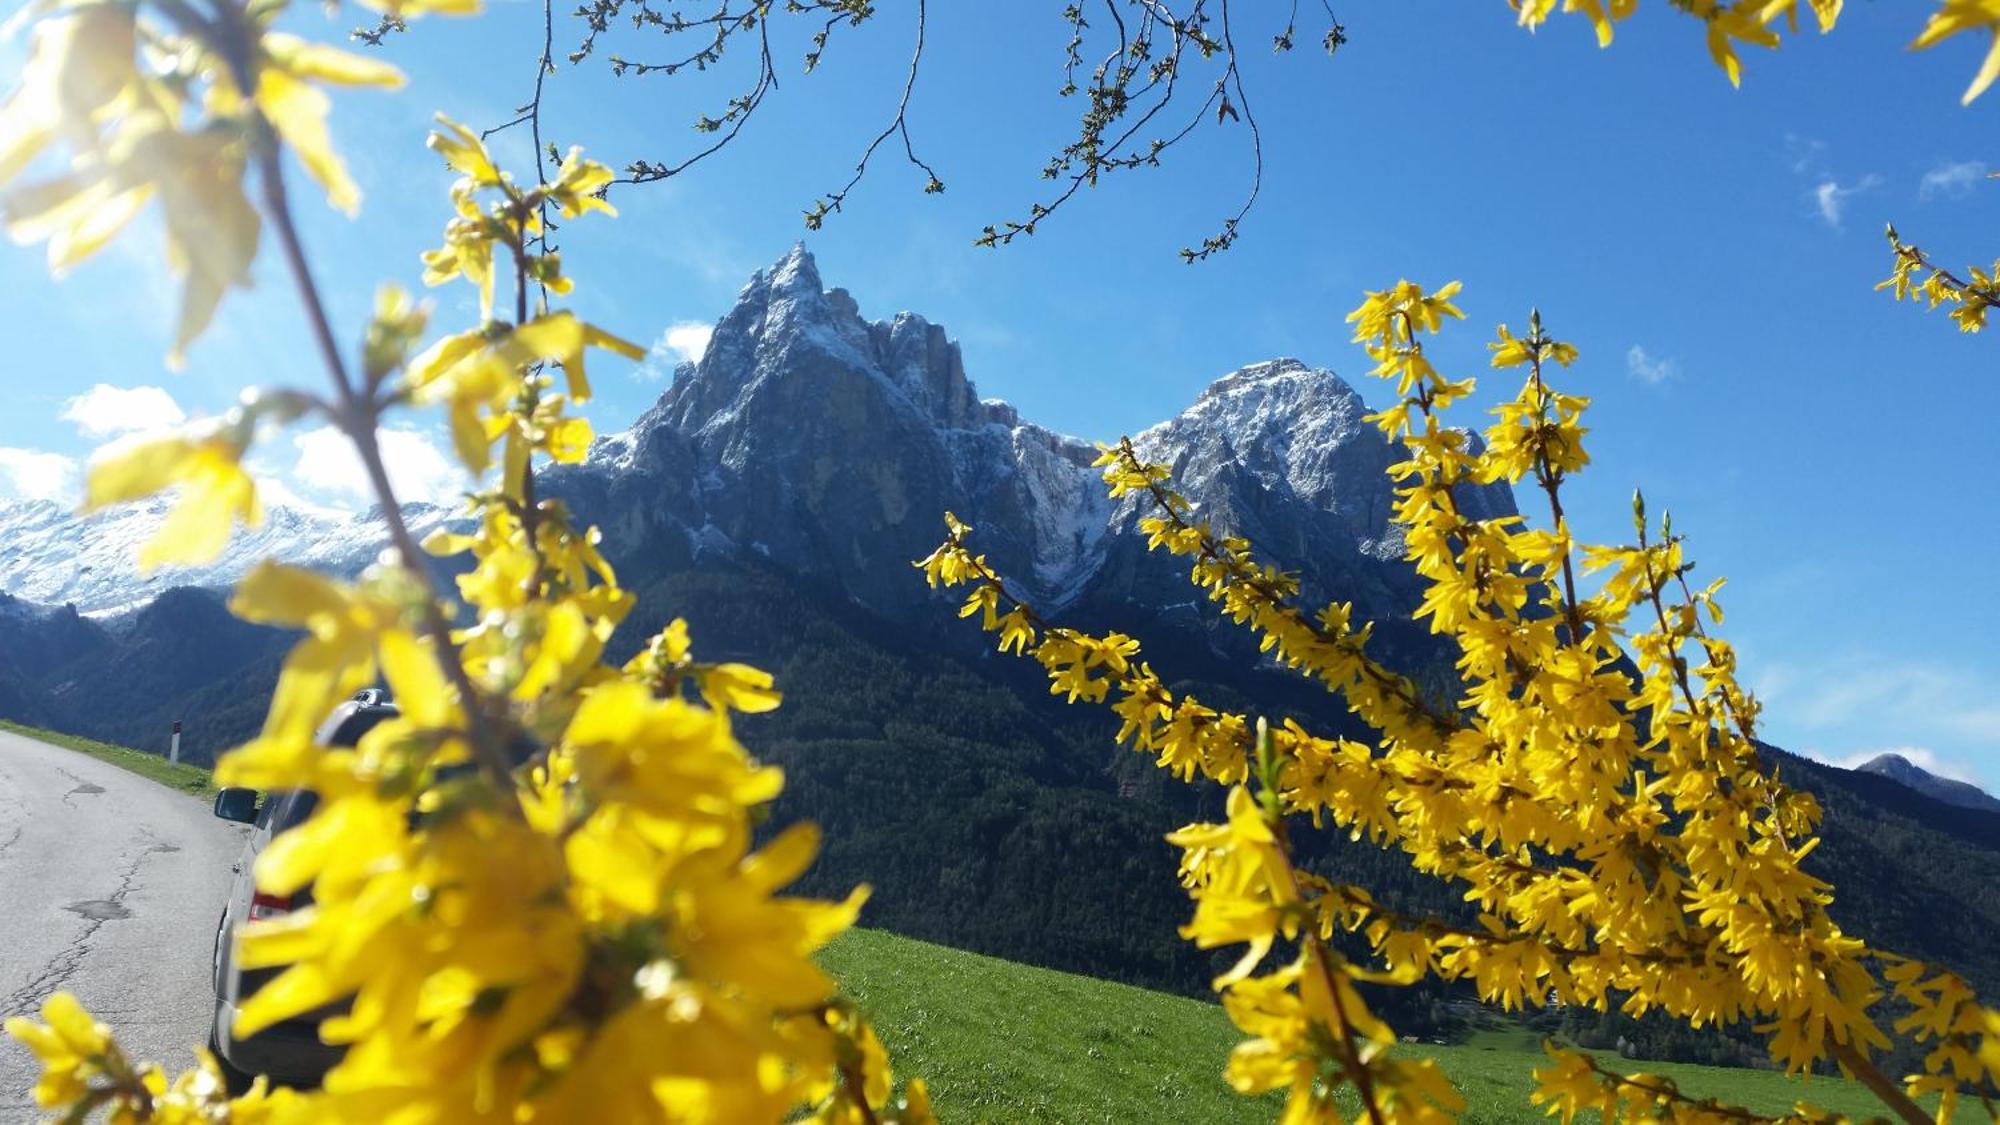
x=291 y=1052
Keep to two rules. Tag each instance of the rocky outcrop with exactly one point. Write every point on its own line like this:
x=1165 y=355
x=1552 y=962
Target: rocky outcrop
x=831 y=446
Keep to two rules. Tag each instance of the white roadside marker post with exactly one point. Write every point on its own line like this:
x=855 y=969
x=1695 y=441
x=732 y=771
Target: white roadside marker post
x=174 y=747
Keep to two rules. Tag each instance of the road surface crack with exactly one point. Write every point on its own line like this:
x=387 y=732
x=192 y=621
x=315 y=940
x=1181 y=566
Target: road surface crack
x=65 y=963
x=81 y=786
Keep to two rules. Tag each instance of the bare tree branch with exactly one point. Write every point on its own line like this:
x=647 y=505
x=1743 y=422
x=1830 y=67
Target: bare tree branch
x=1148 y=47
x=900 y=124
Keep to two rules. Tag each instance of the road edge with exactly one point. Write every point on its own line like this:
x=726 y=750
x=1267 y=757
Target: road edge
x=180 y=777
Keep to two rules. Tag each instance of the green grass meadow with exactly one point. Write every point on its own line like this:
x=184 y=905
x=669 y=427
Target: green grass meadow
x=997 y=1041
x=186 y=778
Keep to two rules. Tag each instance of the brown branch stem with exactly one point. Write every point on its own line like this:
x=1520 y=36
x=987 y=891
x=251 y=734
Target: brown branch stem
x=1551 y=481
x=357 y=419
x=1879 y=1084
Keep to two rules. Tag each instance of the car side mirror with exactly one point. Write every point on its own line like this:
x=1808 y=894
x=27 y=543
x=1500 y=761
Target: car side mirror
x=239 y=805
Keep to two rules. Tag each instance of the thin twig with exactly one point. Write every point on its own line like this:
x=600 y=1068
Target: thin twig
x=1551 y=480
x=900 y=123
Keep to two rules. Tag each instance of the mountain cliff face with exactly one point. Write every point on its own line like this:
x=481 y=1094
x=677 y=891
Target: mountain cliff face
x=831 y=445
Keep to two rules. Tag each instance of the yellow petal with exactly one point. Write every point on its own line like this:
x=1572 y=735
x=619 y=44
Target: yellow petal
x=784 y=858
x=437 y=360
x=417 y=680
x=283 y=940
x=468 y=436
x=298 y=113
x=598 y=337
x=298 y=989
x=569 y=440
x=215 y=492
x=212 y=229
x=462 y=149
x=95 y=227
x=327 y=64
x=1988 y=71
x=66 y=1017
x=132 y=470
x=275 y=594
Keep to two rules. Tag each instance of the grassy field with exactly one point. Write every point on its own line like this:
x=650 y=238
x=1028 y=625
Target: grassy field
x=186 y=778
x=997 y=1041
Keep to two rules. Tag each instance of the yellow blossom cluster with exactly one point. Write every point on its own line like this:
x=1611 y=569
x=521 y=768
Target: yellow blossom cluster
x=84 y=1070
x=163 y=102
x=1593 y=790
x=536 y=891
x=1969 y=297
x=1760 y=23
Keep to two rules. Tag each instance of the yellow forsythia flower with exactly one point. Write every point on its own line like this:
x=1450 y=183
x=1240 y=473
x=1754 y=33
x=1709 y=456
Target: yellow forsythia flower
x=214 y=491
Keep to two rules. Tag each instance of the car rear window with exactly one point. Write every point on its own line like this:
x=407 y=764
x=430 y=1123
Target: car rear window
x=291 y=808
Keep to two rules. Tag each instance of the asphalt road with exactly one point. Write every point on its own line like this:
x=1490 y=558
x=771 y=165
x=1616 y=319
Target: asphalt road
x=110 y=888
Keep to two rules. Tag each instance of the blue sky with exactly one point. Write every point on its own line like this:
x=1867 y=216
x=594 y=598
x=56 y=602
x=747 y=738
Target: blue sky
x=1711 y=251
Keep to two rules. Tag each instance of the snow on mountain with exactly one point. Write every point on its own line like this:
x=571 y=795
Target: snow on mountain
x=814 y=438
x=51 y=555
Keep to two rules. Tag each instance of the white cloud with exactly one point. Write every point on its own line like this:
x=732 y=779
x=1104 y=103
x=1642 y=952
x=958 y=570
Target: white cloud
x=1857 y=699
x=1951 y=180
x=1648 y=368
x=1830 y=198
x=104 y=410
x=30 y=474
x=685 y=341
x=418 y=469
x=688 y=339
x=1803 y=153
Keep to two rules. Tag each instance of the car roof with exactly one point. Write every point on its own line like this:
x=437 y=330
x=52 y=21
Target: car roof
x=354 y=718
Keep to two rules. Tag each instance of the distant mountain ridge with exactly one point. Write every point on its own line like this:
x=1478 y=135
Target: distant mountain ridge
x=830 y=446
x=52 y=556
x=1951 y=791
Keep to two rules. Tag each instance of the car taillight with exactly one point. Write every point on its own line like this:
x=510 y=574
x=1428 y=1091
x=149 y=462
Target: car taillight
x=264 y=906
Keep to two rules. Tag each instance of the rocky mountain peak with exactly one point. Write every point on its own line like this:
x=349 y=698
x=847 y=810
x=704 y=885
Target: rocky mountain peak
x=786 y=324
x=1904 y=772
x=1283 y=376
x=1285 y=433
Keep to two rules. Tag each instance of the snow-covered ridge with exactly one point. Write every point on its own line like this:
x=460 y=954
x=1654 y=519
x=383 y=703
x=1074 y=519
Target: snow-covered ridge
x=51 y=555
x=814 y=437
x=817 y=440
